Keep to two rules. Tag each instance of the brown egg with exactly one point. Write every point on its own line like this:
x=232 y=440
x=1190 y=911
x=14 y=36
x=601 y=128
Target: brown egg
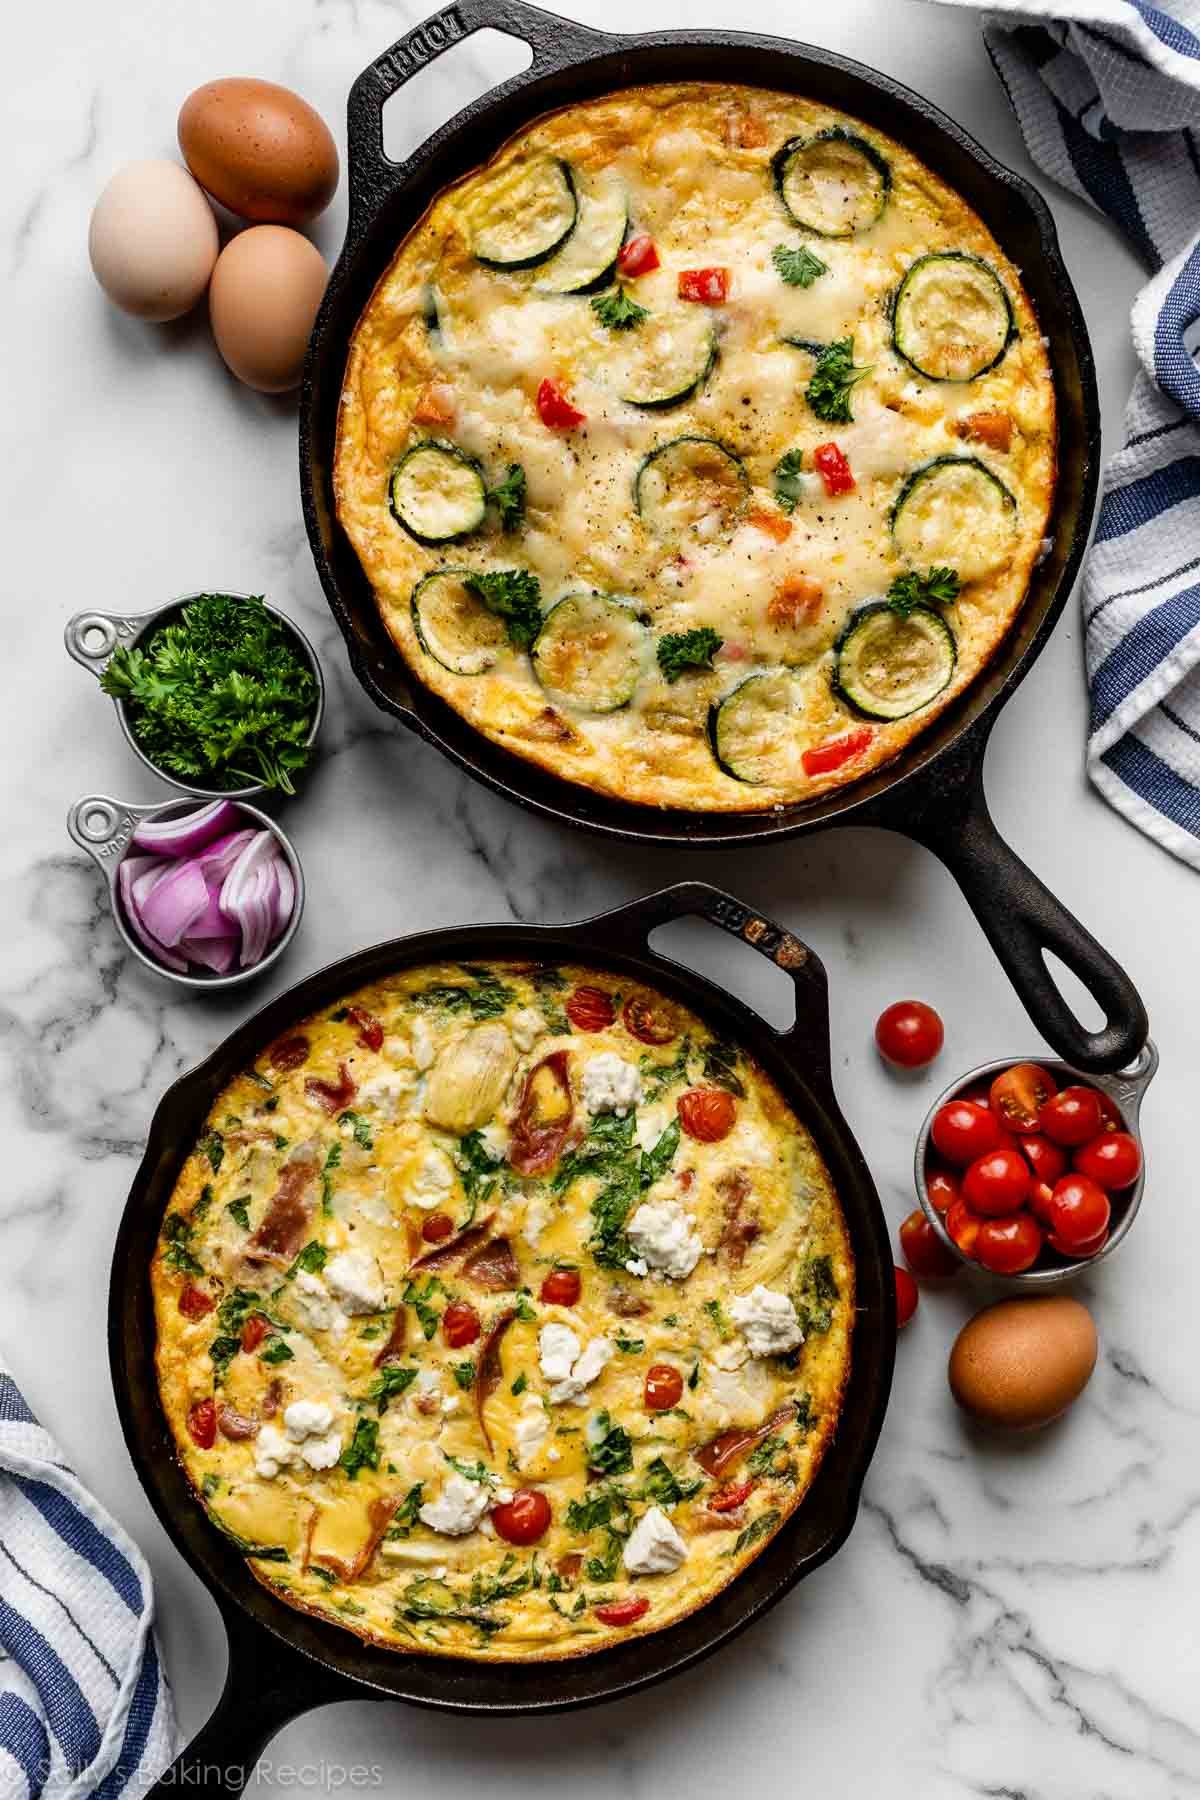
x=153 y=241
x=259 y=149
x=1021 y=1363
x=263 y=299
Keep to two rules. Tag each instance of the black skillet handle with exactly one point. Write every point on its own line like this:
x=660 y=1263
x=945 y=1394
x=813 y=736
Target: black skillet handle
x=1022 y=919
x=628 y=927
x=555 y=43
x=266 y=1686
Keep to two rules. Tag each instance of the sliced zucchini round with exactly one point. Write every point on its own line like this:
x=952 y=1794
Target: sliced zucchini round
x=525 y=215
x=887 y=665
x=437 y=492
x=454 y=626
x=666 y=360
x=690 y=486
x=590 y=253
x=954 y=510
x=591 y=652
x=836 y=183
x=952 y=319
x=749 y=730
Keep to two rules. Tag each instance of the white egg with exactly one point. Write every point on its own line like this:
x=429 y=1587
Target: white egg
x=153 y=240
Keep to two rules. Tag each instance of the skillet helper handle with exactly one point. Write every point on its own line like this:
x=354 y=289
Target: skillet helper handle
x=555 y=42
x=266 y=1686
x=1022 y=919
x=808 y=1036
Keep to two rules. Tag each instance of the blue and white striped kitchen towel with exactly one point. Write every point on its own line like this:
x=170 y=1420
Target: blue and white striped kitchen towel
x=1107 y=93
x=84 y=1705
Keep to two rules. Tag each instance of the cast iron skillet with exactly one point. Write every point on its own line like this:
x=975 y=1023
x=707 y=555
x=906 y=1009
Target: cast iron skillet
x=281 y=1662
x=934 y=792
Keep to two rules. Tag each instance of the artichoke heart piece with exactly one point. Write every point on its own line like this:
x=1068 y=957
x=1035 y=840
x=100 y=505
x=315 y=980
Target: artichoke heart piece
x=469 y=1079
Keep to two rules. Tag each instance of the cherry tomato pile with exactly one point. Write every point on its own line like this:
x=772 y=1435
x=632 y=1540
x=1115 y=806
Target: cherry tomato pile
x=1020 y=1168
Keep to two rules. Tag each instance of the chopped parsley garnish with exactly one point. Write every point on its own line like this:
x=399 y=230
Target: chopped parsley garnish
x=716 y=1313
x=610 y=1448
x=486 y=1589
x=509 y=498
x=616 y=311
x=680 y=651
x=788 y=486
x=607 y=1566
x=799 y=268
x=630 y=1346
x=914 y=589
x=525 y=1312
x=210 y=1484
x=275 y=1350
x=485 y=996
x=806 y=1418
x=514 y=595
x=359 y=1127
x=222 y=695
x=177 y=1256
x=720 y=1066
x=206 y=1197
x=597 y=1508
x=609 y=1150
x=520 y=1384
x=239 y=1211
x=693 y=1379
x=362 y=1452
x=391 y=1381
x=833 y=382
x=421 y=1299
x=661 y=1483
x=464 y=1373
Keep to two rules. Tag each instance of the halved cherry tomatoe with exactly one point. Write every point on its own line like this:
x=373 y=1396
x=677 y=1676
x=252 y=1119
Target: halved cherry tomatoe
x=460 y=1324
x=906 y=1299
x=591 y=1009
x=909 y=1033
x=623 y=1612
x=561 y=1287
x=1018 y=1095
x=707 y=1114
x=663 y=1388
x=523 y=1519
x=650 y=1020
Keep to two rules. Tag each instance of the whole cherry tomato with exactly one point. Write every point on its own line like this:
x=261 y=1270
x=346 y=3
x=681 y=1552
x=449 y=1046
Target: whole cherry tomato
x=591 y=1009
x=1113 y=1159
x=963 y=1226
x=624 y=1612
x=460 y=1324
x=1019 y=1094
x=906 y=1299
x=997 y=1183
x=707 y=1114
x=1078 y=1252
x=731 y=1496
x=663 y=1389
x=909 y=1034
x=1008 y=1246
x=1047 y=1159
x=1072 y=1116
x=202 y=1424
x=924 y=1251
x=638 y=255
x=555 y=410
x=523 y=1519
x=942 y=1187
x=437 y=1228
x=650 y=1021
x=194 y=1303
x=254 y=1331
x=963 y=1131
x=1079 y=1209
x=1041 y=1196
x=562 y=1287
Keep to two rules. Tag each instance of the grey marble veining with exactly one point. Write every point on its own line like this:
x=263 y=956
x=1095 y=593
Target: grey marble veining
x=1013 y=1620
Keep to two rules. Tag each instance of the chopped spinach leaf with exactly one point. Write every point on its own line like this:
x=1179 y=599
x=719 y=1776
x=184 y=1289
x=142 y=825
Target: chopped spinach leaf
x=720 y=1066
x=421 y=1299
x=360 y=1128
x=393 y=1379
x=610 y=1448
x=464 y=1373
x=275 y=1350
x=239 y=1211
x=362 y=1452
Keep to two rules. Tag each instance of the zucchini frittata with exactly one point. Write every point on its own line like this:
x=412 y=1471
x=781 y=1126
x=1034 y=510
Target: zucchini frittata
x=502 y=1311
x=699 y=448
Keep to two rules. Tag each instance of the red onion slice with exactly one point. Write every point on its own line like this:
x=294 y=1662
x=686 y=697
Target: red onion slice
x=175 y=904
x=132 y=874
x=287 y=894
x=185 y=835
x=220 y=857
x=217 y=954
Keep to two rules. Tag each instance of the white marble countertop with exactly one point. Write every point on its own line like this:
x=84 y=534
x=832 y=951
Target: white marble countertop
x=1006 y=1619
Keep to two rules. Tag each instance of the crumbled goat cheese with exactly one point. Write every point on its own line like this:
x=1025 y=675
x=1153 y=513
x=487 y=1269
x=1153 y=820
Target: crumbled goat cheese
x=388 y=1094
x=558 y=1347
x=424 y=1050
x=655 y=1547
x=572 y=1389
x=733 y=1397
x=610 y=1084
x=537 y=1217
x=314 y=1300
x=307 y=1418
x=432 y=1182
x=637 y=1265
x=458 y=1508
x=527 y=1026
x=531 y=1429
x=664 y=1235
x=767 y=1321
x=311 y=1437
x=355 y=1278
x=272 y=1452
x=496 y=1139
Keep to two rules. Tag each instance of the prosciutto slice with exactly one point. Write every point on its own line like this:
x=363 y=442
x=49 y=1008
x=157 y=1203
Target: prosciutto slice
x=493 y=1267
x=488 y=1378
x=379 y=1517
x=454 y=1247
x=721 y=1453
x=286 y=1221
x=334 y=1096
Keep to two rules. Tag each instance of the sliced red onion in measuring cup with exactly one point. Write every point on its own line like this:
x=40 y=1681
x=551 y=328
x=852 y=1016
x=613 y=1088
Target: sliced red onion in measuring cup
x=144 y=872
x=184 y=836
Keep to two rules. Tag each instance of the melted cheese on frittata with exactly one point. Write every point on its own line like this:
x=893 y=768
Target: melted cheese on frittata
x=362 y=1185
x=776 y=587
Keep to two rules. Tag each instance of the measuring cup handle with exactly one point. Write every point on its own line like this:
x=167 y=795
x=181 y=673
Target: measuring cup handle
x=91 y=637
x=103 y=827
